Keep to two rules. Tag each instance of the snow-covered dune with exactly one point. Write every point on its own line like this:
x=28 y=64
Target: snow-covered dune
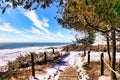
x=11 y=54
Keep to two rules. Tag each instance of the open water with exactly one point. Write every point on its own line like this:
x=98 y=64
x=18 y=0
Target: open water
x=22 y=45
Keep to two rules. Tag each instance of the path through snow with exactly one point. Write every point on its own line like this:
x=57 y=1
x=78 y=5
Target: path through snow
x=74 y=59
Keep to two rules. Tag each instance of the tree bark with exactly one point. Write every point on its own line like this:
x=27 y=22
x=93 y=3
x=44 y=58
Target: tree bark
x=89 y=57
x=102 y=64
x=113 y=57
x=108 y=46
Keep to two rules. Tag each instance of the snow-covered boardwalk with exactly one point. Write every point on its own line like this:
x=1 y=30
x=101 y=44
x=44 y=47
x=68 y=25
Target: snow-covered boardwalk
x=69 y=68
x=69 y=73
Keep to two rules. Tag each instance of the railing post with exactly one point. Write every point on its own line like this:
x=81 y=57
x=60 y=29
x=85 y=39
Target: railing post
x=67 y=49
x=32 y=61
x=88 y=57
x=45 y=57
x=119 y=64
x=53 y=50
x=102 y=64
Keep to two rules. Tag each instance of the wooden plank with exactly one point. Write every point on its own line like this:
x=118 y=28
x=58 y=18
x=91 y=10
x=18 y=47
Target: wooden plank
x=69 y=73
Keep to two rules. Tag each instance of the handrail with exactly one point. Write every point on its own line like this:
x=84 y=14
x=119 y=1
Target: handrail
x=110 y=67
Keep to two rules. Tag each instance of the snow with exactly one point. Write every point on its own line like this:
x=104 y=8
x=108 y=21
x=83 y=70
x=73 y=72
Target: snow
x=74 y=59
x=11 y=54
x=2 y=63
x=95 y=56
x=104 y=78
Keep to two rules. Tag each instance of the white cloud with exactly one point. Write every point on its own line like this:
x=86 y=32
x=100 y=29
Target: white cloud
x=45 y=22
x=37 y=33
x=38 y=23
x=8 y=28
x=26 y=36
x=40 y=34
x=35 y=30
x=60 y=34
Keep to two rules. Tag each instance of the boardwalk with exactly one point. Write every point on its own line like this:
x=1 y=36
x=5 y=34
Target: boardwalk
x=69 y=73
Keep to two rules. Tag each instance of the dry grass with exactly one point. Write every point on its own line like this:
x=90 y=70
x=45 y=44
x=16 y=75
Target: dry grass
x=78 y=47
x=23 y=74
x=118 y=69
x=73 y=47
x=20 y=69
x=93 y=70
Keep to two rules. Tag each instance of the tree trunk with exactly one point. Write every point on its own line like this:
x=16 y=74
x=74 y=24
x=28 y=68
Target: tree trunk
x=102 y=64
x=108 y=46
x=113 y=57
x=89 y=56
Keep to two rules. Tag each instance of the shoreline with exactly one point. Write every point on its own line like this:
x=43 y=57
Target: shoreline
x=7 y=46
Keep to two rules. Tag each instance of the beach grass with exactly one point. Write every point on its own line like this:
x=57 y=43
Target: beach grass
x=20 y=68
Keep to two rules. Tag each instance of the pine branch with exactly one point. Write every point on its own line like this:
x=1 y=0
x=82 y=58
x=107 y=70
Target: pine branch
x=95 y=27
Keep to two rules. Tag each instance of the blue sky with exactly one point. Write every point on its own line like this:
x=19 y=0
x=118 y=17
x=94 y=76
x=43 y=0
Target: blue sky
x=19 y=25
